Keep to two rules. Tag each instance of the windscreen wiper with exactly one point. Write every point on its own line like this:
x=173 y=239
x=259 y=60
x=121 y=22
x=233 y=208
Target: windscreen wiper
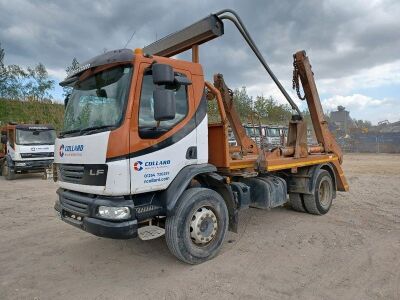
x=63 y=133
x=85 y=131
x=88 y=130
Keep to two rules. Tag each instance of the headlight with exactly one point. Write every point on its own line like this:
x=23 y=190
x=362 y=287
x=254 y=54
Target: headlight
x=20 y=164
x=114 y=213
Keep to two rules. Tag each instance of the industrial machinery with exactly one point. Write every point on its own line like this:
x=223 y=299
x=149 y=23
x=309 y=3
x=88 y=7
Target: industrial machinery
x=137 y=156
x=26 y=148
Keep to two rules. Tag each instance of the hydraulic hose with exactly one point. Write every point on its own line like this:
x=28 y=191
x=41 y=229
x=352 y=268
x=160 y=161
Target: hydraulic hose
x=246 y=35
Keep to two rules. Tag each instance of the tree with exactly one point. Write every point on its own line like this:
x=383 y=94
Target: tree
x=39 y=85
x=363 y=124
x=243 y=104
x=11 y=78
x=2 y=53
x=74 y=65
x=13 y=87
x=271 y=112
x=18 y=84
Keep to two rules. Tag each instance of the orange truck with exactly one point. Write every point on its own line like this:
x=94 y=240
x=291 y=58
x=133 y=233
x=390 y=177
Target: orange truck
x=138 y=158
x=26 y=148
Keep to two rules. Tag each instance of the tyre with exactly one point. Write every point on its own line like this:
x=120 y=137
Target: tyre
x=320 y=202
x=8 y=173
x=296 y=202
x=196 y=231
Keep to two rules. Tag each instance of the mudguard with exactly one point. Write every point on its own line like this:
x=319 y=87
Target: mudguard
x=170 y=196
x=304 y=181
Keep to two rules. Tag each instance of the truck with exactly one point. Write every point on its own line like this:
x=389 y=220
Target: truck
x=273 y=136
x=26 y=148
x=137 y=157
x=254 y=132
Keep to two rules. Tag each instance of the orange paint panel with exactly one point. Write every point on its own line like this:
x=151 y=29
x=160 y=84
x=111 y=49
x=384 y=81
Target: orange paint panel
x=126 y=139
x=218 y=149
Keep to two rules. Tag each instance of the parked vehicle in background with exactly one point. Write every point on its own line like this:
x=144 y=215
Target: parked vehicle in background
x=310 y=137
x=26 y=148
x=273 y=136
x=231 y=138
x=254 y=132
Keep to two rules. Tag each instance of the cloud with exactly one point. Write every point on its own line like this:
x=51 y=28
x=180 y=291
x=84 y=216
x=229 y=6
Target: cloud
x=351 y=45
x=365 y=107
x=379 y=76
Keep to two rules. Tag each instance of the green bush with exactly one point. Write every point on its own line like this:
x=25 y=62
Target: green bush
x=31 y=112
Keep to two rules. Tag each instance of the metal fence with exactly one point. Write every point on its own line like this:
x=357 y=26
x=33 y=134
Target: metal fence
x=388 y=142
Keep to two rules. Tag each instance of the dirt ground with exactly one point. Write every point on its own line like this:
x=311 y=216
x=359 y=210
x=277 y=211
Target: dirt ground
x=353 y=252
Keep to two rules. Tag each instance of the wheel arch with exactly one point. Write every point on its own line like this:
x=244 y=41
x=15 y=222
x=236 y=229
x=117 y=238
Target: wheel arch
x=314 y=175
x=169 y=197
x=205 y=175
x=304 y=181
x=218 y=183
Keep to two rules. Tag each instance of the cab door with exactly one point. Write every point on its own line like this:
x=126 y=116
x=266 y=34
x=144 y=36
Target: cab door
x=159 y=150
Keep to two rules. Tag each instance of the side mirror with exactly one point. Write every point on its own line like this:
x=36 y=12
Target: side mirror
x=164 y=104
x=4 y=139
x=66 y=100
x=162 y=74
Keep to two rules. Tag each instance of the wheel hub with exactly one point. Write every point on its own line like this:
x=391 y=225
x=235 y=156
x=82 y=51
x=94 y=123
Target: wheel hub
x=203 y=226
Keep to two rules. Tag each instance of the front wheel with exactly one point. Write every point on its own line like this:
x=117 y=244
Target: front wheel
x=197 y=229
x=7 y=172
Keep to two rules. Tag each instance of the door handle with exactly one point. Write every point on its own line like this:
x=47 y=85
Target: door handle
x=191 y=152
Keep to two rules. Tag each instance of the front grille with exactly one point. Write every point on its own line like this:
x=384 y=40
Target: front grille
x=74 y=203
x=71 y=173
x=36 y=155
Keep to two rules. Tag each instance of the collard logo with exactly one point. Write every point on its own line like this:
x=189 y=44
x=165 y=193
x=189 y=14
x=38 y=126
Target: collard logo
x=137 y=166
x=152 y=164
x=71 y=150
x=61 y=151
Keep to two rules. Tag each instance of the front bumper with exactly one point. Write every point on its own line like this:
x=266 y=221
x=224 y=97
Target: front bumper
x=32 y=165
x=80 y=210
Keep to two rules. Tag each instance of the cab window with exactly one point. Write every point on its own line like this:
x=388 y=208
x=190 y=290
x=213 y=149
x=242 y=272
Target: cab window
x=148 y=126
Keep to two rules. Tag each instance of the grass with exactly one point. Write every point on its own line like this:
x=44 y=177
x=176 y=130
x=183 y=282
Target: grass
x=31 y=112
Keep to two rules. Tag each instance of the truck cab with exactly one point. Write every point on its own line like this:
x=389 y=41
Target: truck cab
x=272 y=136
x=253 y=131
x=26 y=148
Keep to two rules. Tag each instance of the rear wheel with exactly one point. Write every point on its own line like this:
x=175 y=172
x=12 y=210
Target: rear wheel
x=320 y=202
x=197 y=229
x=296 y=202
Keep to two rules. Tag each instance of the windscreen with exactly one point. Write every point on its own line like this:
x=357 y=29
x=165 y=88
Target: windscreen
x=99 y=100
x=35 y=137
x=273 y=132
x=253 y=132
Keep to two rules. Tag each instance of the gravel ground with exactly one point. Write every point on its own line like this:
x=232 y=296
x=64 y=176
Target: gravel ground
x=353 y=252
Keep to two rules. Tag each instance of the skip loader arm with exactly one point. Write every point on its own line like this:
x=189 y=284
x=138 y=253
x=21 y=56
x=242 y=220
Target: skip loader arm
x=322 y=133
x=302 y=69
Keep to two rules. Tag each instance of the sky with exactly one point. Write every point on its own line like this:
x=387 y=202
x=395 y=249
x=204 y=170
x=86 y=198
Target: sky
x=353 y=46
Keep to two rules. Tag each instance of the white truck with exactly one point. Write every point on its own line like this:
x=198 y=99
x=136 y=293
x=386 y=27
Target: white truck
x=137 y=156
x=26 y=148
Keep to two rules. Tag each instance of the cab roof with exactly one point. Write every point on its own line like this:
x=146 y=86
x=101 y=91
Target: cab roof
x=114 y=56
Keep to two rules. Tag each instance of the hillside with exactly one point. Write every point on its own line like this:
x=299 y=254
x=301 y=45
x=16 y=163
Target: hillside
x=30 y=112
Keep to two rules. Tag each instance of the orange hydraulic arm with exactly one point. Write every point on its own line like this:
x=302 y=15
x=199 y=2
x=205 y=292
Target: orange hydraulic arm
x=243 y=140
x=322 y=133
